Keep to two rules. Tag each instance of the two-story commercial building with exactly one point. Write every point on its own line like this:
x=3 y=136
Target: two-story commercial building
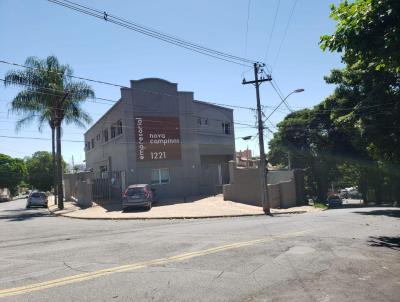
x=158 y=135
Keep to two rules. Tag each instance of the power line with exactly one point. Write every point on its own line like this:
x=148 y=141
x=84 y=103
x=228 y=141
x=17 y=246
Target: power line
x=281 y=97
x=39 y=138
x=108 y=83
x=272 y=31
x=70 y=76
x=153 y=33
x=247 y=29
x=285 y=32
x=278 y=92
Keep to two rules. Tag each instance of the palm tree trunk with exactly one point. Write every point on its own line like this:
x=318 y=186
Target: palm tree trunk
x=53 y=157
x=60 y=169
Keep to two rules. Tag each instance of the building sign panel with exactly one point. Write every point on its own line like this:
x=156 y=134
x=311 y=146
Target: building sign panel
x=157 y=138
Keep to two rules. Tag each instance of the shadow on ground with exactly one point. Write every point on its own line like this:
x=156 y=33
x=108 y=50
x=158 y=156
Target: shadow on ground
x=21 y=215
x=384 y=241
x=386 y=212
x=116 y=205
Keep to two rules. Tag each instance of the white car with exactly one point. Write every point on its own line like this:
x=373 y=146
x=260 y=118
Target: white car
x=38 y=199
x=5 y=194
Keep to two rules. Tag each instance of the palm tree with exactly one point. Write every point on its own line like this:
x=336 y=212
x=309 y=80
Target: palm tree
x=49 y=96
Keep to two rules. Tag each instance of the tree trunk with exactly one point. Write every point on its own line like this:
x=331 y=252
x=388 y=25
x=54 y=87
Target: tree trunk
x=59 y=169
x=54 y=167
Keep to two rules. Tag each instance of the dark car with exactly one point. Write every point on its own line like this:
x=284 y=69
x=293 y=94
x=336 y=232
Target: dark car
x=334 y=201
x=139 y=195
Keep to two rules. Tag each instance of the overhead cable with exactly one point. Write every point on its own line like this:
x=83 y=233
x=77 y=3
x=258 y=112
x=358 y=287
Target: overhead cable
x=153 y=33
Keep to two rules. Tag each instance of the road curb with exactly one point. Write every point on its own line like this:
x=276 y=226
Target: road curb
x=171 y=217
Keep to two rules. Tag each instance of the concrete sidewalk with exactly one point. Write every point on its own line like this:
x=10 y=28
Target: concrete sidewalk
x=208 y=207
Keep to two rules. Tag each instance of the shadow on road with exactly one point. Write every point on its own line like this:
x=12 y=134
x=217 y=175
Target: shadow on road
x=390 y=213
x=384 y=241
x=21 y=215
x=116 y=205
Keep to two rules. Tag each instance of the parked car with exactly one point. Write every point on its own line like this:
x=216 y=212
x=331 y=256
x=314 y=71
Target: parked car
x=27 y=193
x=139 y=195
x=344 y=193
x=5 y=195
x=334 y=201
x=37 y=199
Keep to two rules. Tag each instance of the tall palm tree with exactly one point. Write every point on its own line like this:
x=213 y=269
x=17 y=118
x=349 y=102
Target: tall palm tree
x=49 y=96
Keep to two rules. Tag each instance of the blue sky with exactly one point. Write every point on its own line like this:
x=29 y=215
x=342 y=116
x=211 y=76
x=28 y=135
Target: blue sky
x=99 y=50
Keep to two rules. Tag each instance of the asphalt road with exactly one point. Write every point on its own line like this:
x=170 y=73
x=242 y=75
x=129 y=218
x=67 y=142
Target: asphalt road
x=350 y=254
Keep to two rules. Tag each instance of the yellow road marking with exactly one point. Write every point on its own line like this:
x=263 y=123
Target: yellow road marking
x=134 y=266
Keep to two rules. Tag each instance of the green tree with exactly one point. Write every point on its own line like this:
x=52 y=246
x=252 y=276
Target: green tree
x=40 y=172
x=314 y=143
x=50 y=96
x=367 y=94
x=352 y=137
x=367 y=31
x=12 y=172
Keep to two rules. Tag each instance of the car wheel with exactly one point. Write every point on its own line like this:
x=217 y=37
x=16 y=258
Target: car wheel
x=28 y=206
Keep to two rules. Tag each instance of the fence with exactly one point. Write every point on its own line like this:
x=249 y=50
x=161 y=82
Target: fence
x=109 y=187
x=84 y=188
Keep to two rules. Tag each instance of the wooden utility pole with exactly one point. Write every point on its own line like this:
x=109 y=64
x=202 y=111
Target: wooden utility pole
x=263 y=160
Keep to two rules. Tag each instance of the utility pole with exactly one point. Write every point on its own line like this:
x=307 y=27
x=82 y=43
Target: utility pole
x=263 y=160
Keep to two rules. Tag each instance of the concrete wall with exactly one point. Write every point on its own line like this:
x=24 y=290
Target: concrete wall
x=287 y=191
x=78 y=188
x=274 y=196
x=245 y=186
x=84 y=196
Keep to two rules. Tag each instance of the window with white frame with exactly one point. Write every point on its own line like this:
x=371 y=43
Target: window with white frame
x=113 y=131
x=105 y=135
x=119 y=127
x=226 y=127
x=160 y=176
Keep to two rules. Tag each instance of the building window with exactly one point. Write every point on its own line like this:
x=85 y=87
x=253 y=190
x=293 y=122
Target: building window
x=103 y=172
x=87 y=146
x=112 y=131
x=119 y=127
x=105 y=135
x=98 y=137
x=202 y=121
x=160 y=176
x=226 y=127
x=92 y=143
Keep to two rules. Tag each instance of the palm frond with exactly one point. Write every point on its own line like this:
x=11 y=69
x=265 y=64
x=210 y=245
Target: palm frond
x=43 y=85
x=25 y=120
x=79 y=91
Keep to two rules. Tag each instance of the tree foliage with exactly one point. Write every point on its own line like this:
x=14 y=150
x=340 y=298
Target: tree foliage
x=12 y=172
x=49 y=95
x=353 y=136
x=367 y=31
x=39 y=168
x=44 y=83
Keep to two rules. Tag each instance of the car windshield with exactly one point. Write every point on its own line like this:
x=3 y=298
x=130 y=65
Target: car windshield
x=135 y=191
x=38 y=195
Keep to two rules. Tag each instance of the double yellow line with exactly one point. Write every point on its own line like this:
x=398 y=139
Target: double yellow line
x=135 y=266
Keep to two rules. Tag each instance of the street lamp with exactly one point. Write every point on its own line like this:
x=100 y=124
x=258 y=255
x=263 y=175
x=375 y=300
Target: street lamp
x=284 y=99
